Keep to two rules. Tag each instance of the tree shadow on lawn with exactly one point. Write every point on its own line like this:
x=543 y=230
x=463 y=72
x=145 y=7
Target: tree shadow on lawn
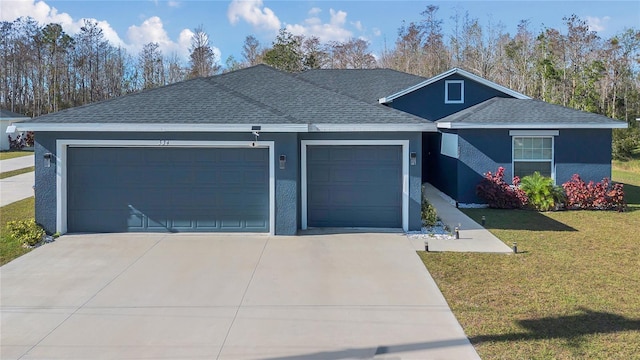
x=571 y=328
x=507 y=219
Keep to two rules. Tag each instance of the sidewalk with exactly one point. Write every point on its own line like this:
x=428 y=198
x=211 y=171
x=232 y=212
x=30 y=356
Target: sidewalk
x=473 y=237
x=16 y=163
x=16 y=188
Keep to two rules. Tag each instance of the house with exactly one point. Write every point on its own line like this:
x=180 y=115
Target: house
x=7 y=118
x=259 y=150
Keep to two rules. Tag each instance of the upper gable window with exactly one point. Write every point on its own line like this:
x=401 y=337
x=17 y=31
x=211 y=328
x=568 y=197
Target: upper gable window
x=454 y=92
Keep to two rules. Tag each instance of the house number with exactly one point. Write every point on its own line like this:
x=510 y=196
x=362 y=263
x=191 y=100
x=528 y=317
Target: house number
x=164 y=142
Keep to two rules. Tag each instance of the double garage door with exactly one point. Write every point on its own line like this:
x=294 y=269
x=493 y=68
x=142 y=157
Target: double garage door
x=167 y=189
x=226 y=189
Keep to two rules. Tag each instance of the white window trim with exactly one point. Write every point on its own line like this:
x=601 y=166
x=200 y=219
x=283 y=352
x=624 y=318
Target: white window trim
x=552 y=160
x=61 y=166
x=446 y=91
x=405 y=172
x=529 y=133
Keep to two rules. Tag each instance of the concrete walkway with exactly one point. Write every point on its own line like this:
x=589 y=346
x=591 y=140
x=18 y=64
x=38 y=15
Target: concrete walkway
x=205 y=296
x=20 y=162
x=473 y=237
x=16 y=188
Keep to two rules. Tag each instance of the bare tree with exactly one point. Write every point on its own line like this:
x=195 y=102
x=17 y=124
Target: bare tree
x=151 y=65
x=203 y=59
x=251 y=51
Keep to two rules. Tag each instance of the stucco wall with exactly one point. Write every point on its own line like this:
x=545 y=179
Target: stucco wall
x=287 y=187
x=586 y=152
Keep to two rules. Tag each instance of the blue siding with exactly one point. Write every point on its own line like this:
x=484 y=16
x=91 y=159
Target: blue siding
x=586 y=152
x=287 y=181
x=428 y=102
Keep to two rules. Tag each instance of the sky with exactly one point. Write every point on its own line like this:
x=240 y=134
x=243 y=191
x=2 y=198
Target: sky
x=132 y=24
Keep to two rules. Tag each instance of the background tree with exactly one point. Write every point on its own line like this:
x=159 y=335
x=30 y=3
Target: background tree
x=251 y=51
x=151 y=65
x=203 y=59
x=286 y=52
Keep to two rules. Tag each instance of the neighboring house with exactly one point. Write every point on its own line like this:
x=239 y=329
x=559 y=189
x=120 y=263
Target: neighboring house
x=7 y=118
x=259 y=150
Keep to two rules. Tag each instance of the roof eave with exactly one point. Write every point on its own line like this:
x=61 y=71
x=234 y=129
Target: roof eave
x=264 y=128
x=157 y=127
x=466 y=125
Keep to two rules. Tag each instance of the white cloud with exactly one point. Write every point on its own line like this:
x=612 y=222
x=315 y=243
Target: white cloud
x=358 y=25
x=376 y=32
x=597 y=23
x=334 y=30
x=254 y=13
x=150 y=30
x=174 y=4
x=45 y=14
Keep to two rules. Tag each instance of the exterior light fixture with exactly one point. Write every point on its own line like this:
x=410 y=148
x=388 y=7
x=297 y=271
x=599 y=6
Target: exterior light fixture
x=413 y=157
x=47 y=159
x=484 y=220
x=283 y=161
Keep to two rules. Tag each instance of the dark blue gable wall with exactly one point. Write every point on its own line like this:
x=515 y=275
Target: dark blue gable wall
x=428 y=102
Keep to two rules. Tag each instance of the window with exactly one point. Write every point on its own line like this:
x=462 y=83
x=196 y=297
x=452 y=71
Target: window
x=454 y=92
x=531 y=154
x=449 y=145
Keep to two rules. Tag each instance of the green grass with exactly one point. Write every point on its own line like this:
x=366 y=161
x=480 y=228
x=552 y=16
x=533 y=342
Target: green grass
x=11 y=173
x=573 y=292
x=19 y=210
x=10 y=154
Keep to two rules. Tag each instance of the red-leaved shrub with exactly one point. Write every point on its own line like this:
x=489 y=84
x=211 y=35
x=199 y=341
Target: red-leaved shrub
x=593 y=196
x=498 y=194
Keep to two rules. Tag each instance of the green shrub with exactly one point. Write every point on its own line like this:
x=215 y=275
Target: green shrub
x=626 y=143
x=26 y=231
x=429 y=215
x=542 y=193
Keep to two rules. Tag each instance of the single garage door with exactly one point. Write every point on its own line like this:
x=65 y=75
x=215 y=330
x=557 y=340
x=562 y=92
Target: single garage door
x=354 y=186
x=167 y=189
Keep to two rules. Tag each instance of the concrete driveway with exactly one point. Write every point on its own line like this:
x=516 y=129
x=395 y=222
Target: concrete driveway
x=186 y=296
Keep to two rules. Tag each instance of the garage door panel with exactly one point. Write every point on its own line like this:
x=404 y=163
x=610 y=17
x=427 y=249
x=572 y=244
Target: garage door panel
x=354 y=186
x=170 y=190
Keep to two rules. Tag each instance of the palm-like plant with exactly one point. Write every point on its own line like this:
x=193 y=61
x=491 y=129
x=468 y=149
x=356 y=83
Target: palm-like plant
x=543 y=194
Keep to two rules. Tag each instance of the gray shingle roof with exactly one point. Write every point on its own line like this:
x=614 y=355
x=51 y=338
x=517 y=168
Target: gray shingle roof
x=365 y=84
x=508 y=112
x=6 y=114
x=258 y=94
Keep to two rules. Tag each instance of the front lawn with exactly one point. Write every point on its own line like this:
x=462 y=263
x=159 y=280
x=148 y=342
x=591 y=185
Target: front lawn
x=20 y=210
x=573 y=292
x=10 y=154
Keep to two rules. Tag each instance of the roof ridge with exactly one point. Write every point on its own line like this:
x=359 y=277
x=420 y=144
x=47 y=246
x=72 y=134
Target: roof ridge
x=249 y=99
